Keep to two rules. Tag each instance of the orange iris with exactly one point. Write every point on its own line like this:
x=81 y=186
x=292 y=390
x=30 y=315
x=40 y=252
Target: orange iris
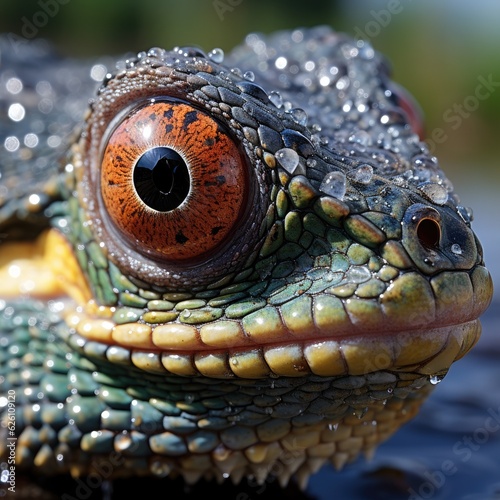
x=173 y=180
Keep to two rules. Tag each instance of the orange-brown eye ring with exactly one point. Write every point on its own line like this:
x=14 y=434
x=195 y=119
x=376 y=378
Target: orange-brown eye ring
x=173 y=181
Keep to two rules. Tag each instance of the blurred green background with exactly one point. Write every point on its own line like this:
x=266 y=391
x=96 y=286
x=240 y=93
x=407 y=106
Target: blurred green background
x=438 y=49
x=442 y=52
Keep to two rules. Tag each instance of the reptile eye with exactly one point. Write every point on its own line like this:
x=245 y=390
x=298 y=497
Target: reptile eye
x=173 y=181
x=408 y=104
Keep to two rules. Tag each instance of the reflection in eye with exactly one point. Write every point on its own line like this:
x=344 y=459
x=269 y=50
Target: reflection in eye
x=173 y=181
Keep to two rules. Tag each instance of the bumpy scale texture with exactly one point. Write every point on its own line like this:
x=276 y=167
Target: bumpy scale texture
x=254 y=265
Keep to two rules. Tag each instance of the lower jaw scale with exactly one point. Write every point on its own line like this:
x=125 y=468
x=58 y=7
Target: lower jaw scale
x=279 y=426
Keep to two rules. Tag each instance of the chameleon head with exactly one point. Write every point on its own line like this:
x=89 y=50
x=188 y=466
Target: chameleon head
x=259 y=297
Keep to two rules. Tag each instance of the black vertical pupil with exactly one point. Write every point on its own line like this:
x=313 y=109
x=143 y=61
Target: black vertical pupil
x=161 y=179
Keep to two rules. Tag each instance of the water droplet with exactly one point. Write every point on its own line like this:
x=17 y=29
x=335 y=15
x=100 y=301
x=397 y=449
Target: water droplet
x=14 y=85
x=434 y=192
x=466 y=214
x=189 y=398
x=435 y=379
x=249 y=75
x=269 y=410
x=98 y=72
x=366 y=51
x=288 y=159
x=31 y=140
x=216 y=55
x=456 y=249
x=393 y=117
x=299 y=116
x=276 y=98
x=425 y=162
x=157 y=52
x=237 y=72
x=342 y=83
x=16 y=112
x=281 y=62
x=334 y=184
x=363 y=174
x=34 y=199
x=11 y=143
x=333 y=427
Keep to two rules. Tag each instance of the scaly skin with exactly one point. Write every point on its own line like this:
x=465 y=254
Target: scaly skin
x=297 y=306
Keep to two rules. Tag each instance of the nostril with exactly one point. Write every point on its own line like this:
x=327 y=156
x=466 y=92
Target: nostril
x=429 y=233
x=437 y=239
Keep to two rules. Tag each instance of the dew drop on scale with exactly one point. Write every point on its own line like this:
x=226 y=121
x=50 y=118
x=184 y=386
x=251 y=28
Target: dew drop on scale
x=334 y=185
x=299 y=116
x=216 y=55
x=435 y=379
x=276 y=98
x=288 y=159
x=434 y=192
x=363 y=174
x=249 y=75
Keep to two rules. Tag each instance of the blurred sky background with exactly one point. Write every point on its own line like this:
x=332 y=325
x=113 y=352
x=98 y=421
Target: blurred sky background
x=440 y=51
